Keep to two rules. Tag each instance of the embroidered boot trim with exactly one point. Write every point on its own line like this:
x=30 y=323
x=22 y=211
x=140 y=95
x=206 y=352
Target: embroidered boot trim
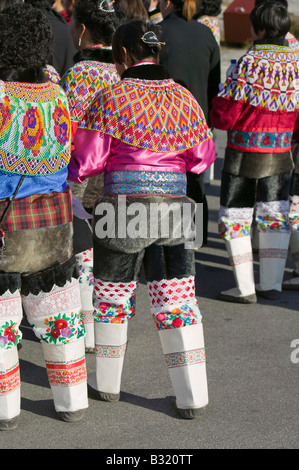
x=10 y=379
x=56 y=316
x=294 y=213
x=10 y=319
x=114 y=302
x=273 y=216
x=66 y=373
x=273 y=253
x=171 y=291
x=186 y=358
x=85 y=264
x=241 y=258
x=114 y=292
x=87 y=316
x=111 y=352
x=173 y=303
x=234 y=222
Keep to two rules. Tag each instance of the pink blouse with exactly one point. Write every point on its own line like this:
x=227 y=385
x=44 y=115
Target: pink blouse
x=95 y=152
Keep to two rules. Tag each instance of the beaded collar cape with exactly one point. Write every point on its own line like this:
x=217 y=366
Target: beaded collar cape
x=93 y=70
x=147 y=109
x=267 y=76
x=35 y=128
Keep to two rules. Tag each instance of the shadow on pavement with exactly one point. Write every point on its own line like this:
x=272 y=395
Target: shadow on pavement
x=160 y=405
x=39 y=407
x=33 y=374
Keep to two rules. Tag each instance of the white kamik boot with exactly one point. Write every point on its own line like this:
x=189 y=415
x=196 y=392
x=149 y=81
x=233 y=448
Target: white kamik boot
x=10 y=396
x=273 y=251
x=114 y=304
x=67 y=376
x=241 y=259
x=184 y=353
x=56 y=320
x=110 y=347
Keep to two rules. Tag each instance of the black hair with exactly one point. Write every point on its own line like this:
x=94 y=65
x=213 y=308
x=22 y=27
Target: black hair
x=210 y=7
x=147 y=4
x=132 y=9
x=8 y=3
x=272 y=17
x=129 y=36
x=283 y=2
x=101 y=25
x=41 y=3
x=26 y=37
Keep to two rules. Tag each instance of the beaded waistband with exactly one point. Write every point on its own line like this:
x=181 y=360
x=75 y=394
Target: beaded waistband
x=254 y=141
x=144 y=183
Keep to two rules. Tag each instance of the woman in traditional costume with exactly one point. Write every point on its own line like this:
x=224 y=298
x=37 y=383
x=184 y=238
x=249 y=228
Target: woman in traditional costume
x=92 y=26
x=293 y=282
x=144 y=133
x=258 y=106
x=38 y=271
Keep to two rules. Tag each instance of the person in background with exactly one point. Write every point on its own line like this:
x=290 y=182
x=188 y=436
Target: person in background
x=64 y=8
x=289 y=37
x=208 y=13
x=38 y=271
x=93 y=24
x=293 y=283
x=68 y=6
x=144 y=134
x=130 y=10
x=154 y=12
x=196 y=68
x=58 y=6
x=258 y=106
x=63 y=48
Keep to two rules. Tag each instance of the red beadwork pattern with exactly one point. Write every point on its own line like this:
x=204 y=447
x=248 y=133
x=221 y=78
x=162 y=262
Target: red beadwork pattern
x=114 y=290
x=169 y=292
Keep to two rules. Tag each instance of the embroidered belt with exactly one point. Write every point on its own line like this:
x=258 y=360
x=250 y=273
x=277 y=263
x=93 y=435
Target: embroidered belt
x=259 y=141
x=145 y=183
x=38 y=211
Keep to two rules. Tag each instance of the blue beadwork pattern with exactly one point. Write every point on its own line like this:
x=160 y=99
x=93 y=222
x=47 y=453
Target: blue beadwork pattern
x=145 y=183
